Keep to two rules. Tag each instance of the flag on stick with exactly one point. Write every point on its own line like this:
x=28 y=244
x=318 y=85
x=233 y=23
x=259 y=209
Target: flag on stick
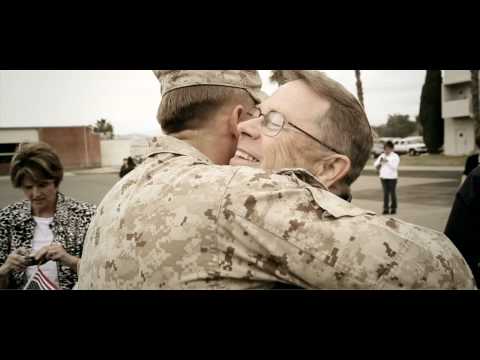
x=39 y=281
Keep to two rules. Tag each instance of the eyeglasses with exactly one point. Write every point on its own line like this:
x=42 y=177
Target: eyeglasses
x=274 y=122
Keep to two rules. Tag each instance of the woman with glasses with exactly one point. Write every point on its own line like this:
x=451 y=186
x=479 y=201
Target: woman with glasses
x=47 y=229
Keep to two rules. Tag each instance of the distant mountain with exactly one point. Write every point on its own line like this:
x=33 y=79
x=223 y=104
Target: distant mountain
x=133 y=137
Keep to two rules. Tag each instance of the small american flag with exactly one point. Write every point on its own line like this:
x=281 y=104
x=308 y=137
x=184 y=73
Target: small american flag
x=39 y=281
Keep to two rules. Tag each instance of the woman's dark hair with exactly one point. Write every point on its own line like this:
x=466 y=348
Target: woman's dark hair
x=389 y=144
x=37 y=161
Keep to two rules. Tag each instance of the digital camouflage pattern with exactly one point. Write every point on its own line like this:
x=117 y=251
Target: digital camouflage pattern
x=179 y=222
x=248 y=80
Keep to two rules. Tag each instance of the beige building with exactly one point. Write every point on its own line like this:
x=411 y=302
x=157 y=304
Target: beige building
x=115 y=150
x=457 y=112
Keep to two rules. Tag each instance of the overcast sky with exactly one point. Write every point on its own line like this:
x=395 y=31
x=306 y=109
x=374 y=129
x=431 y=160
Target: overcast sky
x=129 y=99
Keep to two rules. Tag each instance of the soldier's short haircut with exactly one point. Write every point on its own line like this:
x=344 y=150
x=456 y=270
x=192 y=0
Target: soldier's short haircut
x=191 y=107
x=345 y=126
x=37 y=161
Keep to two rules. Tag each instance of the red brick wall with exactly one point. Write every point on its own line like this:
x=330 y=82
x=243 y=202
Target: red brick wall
x=78 y=147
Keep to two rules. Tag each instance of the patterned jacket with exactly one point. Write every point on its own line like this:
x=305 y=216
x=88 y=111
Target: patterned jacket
x=69 y=226
x=179 y=222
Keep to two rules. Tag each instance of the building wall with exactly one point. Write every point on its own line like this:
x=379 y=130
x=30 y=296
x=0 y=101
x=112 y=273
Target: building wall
x=449 y=140
x=139 y=147
x=17 y=136
x=13 y=136
x=95 y=150
x=457 y=112
x=456 y=76
x=114 y=151
x=459 y=136
x=78 y=147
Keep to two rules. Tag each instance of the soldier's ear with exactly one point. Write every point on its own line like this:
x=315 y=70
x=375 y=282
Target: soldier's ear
x=236 y=116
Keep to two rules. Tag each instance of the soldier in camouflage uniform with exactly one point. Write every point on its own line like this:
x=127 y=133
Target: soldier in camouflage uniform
x=180 y=221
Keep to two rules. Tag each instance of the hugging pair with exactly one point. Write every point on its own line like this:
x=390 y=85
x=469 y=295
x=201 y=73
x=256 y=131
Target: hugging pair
x=279 y=213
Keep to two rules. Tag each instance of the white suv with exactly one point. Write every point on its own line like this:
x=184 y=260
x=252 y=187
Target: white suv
x=411 y=145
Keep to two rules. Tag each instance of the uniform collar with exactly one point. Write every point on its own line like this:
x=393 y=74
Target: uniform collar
x=303 y=175
x=171 y=145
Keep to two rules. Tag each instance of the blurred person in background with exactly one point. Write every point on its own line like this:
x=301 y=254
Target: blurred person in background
x=128 y=165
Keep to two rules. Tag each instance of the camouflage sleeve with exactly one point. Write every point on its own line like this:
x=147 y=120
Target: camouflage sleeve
x=311 y=238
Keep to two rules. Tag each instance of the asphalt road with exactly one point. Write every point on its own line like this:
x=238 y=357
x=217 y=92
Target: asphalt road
x=424 y=198
x=89 y=188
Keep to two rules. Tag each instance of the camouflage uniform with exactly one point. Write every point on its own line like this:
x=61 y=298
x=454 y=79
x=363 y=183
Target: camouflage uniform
x=180 y=222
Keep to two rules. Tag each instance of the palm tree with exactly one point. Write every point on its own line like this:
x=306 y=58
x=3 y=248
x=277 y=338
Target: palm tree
x=475 y=98
x=104 y=128
x=359 y=87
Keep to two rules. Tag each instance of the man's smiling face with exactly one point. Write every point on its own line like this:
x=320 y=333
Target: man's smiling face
x=294 y=100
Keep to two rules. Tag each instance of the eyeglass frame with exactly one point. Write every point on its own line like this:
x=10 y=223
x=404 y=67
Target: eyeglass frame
x=287 y=122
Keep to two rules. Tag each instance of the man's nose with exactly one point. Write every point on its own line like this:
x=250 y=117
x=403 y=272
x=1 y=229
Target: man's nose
x=250 y=128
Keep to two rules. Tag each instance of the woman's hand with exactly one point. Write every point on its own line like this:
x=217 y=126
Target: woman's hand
x=16 y=261
x=56 y=252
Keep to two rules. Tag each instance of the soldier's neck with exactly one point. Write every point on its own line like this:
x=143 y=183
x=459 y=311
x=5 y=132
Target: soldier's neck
x=208 y=144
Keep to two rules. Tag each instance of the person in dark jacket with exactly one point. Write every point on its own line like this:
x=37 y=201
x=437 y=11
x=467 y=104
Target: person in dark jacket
x=473 y=160
x=128 y=165
x=462 y=226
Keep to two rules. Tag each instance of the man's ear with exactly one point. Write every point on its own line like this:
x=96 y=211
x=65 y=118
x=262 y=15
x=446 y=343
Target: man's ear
x=236 y=116
x=332 y=169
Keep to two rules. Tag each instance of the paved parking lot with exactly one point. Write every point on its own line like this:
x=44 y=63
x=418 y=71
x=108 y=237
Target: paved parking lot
x=91 y=188
x=425 y=198
x=424 y=201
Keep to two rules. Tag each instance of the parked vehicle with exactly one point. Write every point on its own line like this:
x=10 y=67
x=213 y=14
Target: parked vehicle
x=411 y=145
x=377 y=149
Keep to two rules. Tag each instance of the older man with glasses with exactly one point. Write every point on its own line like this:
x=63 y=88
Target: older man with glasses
x=287 y=129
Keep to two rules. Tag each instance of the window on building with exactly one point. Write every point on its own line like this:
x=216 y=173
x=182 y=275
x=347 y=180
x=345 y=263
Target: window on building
x=6 y=152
